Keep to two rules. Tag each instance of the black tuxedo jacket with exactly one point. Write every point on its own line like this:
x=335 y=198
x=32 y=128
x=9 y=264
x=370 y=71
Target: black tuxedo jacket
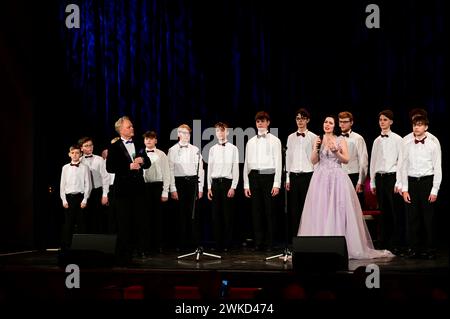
x=126 y=181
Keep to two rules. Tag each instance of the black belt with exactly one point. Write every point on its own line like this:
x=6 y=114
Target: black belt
x=299 y=174
x=74 y=194
x=263 y=171
x=416 y=179
x=385 y=174
x=188 y=178
x=221 y=179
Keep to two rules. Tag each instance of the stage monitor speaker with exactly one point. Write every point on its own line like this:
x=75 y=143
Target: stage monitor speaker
x=90 y=250
x=319 y=254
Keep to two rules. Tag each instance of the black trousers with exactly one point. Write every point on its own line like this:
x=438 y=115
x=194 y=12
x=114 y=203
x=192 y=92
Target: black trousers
x=154 y=215
x=222 y=212
x=187 y=225
x=262 y=202
x=421 y=219
x=111 y=213
x=299 y=183
x=354 y=178
x=73 y=219
x=95 y=213
x=131 y=231
x=393 y=221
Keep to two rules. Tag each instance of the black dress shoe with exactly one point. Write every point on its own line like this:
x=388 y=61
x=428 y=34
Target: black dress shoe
x=431 y=256
x=412 y=254
x=428 y=255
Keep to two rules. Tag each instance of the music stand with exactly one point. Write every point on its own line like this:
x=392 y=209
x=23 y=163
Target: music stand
x=199 y=251
x=286 y=252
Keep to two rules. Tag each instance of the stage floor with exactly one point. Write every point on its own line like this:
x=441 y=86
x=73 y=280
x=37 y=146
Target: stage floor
x=37 y=275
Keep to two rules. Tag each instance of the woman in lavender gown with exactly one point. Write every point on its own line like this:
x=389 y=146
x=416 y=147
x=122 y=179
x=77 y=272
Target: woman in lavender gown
x=332 y=207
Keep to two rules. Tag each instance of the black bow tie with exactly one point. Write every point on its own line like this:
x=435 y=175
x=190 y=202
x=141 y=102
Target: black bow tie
x=181 y=146
x=77 y=164
x=421 y=141
x=150 y=151
x=345 y=135
x=262 y=135
x=88 y=156
x=383 y=135
x=302 y=134
x=129 y=142
x=223 y=144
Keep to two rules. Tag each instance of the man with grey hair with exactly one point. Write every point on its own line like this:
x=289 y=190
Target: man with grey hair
x=127 y=159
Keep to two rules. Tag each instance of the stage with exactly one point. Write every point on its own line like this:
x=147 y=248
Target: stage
x=36 y=275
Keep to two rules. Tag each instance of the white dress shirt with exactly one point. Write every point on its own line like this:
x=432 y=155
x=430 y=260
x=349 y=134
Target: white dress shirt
x=359 y=159
x=406 y=139
x=422 y=160
x=159 y=171
x=183 y=161
x=130 y=148
x=75 y=180
x=100 y=177
x=263 y=153
x=298 y=153
x=223 y=162
x=385 y=156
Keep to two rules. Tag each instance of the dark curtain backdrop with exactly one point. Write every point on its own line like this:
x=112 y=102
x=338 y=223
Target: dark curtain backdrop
x=168 y=62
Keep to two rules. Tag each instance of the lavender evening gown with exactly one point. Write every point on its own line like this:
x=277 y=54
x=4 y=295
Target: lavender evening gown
x=332 y=209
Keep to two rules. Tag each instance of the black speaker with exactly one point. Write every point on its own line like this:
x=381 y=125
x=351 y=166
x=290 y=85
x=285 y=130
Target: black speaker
x=319 y=253
x=90 y=250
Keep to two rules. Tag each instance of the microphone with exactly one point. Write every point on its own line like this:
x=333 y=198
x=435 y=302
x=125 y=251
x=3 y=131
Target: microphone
x=320 y=144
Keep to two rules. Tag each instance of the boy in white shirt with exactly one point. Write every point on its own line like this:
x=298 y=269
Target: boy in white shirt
x=223 y=177
x=157 y=182
x=96 y=214
x=186 y=186
x=75 y=188
x=262 y=179
x=385 y=182
x=422 y=176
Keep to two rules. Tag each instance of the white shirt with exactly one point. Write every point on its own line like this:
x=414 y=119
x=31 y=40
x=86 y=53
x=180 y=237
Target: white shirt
x=130 y=148
x=406 y=139
x=183 y=161
x=263 y=153
x=422 y=160
x=75 y=180
x=385 y=156
x=159 y=171
x=100 y=177
x=298 y=153
x=223 y=162
x=359 y=159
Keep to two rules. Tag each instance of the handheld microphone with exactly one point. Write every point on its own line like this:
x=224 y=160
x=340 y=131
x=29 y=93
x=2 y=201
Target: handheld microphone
x=320 y=144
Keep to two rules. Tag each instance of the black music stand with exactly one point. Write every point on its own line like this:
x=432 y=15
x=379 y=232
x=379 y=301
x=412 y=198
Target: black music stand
x=199 y=251
x=286 y=252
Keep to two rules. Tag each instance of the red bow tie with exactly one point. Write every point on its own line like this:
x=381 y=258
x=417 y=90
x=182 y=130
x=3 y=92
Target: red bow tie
x=421 y=141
